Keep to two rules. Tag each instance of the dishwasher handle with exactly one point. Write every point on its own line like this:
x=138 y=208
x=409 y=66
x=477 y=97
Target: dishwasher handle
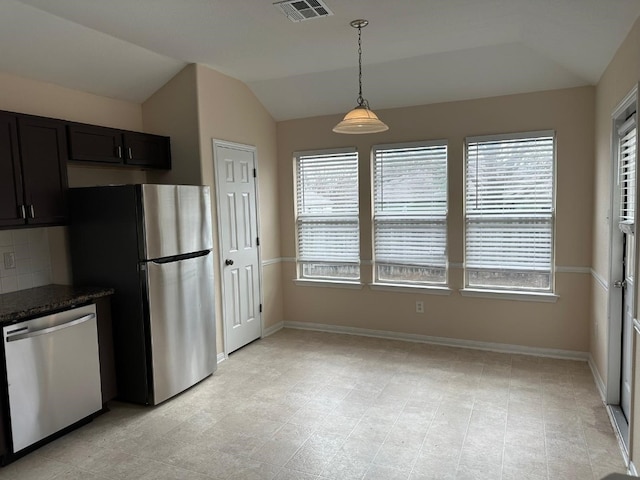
x=44 y=331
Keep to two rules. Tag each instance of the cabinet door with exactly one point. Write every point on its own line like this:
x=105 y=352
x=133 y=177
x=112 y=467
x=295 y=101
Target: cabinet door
x=11 y=202
x=144 y=150
x=89 y=143
x=43 y=150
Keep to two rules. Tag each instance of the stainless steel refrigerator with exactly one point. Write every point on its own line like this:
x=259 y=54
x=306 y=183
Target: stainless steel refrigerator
x=152 y=243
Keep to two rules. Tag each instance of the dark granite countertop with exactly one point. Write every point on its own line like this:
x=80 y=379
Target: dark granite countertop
x=41 y=300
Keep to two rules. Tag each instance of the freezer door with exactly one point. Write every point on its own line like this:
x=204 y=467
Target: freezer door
x=177 y=220
x=182 y=321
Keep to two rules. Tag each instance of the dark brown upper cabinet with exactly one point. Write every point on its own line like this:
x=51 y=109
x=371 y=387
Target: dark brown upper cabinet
x=43 y=155
x=89 y=143
x=33 y=174
x=145 y=150
x=11 y=196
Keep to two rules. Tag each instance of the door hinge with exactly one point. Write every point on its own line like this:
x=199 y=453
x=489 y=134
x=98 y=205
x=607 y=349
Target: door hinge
x=255 y=173
x=258 y=241
x=260 y=308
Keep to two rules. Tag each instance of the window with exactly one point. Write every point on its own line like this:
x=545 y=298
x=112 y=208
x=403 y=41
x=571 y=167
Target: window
x=410 y=213
x=327 y=215
x=627 y=171
x=509 y=212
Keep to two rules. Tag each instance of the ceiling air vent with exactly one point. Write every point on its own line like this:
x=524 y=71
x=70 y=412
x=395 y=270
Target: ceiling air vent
x=299 y=10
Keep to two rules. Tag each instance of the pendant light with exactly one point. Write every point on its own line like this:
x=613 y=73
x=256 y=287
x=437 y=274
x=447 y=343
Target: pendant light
x=360 y=119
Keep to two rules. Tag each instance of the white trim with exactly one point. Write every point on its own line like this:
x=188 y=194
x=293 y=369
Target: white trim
x=272 y=329
x=582 y=270
x=289 y=259
x=628 y=101
x=632 y=469
x=597 y=378
x=426 y=143
x=558 y=268
x=451 y=342
x=419 y=289
x=616 y=430
x=510 y=295
x=600 y=385
x=510 y=136
x=271 y=261
x=221 y=357
x=303 y=282
x=324 y=151
x=600 y=280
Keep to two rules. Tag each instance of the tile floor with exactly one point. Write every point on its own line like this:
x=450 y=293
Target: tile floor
x=307 y=405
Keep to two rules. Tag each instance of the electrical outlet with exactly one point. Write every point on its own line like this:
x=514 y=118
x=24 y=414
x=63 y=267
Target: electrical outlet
x=9 y=260
x=420 y=307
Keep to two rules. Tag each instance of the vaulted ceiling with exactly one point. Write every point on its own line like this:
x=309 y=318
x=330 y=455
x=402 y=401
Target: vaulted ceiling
x=414 y=51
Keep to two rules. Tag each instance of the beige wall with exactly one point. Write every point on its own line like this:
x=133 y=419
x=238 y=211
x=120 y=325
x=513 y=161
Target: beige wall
x=173 y=111
x=18 y=94
x=562 y=325
x=195 y=107
x=229 y=111
x=617 y=81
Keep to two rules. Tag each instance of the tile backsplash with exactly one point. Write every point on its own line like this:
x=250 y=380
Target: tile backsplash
x=25 y=261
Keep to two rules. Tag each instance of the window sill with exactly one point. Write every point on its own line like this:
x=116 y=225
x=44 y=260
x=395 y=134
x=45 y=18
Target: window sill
x=419 y=289
x=327 y=283
x=510 y=295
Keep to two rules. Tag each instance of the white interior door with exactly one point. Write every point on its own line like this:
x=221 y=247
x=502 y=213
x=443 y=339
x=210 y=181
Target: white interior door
x=238 y=232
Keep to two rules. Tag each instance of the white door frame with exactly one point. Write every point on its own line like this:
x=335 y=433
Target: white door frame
x=614 y=306
x=246 y=148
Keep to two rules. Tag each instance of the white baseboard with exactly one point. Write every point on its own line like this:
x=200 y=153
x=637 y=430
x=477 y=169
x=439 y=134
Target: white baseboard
x=598 y=379
x=451 y=342
x=221 y=357
x=272 y=329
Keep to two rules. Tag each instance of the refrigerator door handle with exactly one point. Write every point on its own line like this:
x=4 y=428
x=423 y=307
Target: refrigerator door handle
x=177 y=258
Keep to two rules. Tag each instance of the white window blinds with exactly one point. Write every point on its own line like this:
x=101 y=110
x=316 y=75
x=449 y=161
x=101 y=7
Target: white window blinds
x=627 y=148
x=509 y=208
x=410 y=213
x=327 y=214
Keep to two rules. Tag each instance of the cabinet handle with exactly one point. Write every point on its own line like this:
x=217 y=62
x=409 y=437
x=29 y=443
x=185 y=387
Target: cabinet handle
x=23 y=212
x=130 y=154
x=119 y=152
x=32 y=211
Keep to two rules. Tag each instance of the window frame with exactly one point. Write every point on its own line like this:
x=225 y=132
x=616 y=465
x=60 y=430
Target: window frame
x=513 y=292
x=300 y=275
x=423 y=219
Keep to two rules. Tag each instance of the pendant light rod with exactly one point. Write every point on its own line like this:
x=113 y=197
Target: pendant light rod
x=360 y=24
x=361 y=119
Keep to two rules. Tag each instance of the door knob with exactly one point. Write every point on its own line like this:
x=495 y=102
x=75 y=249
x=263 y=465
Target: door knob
x=228 y=262
x=620 y=284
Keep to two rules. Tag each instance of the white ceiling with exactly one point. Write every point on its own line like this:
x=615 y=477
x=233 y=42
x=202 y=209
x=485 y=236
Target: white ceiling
x=414 y=51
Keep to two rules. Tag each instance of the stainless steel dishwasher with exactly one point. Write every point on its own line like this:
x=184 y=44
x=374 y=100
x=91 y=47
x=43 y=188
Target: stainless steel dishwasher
x=53 y=373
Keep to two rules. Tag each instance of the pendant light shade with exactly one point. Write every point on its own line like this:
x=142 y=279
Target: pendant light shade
x=361 y=119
